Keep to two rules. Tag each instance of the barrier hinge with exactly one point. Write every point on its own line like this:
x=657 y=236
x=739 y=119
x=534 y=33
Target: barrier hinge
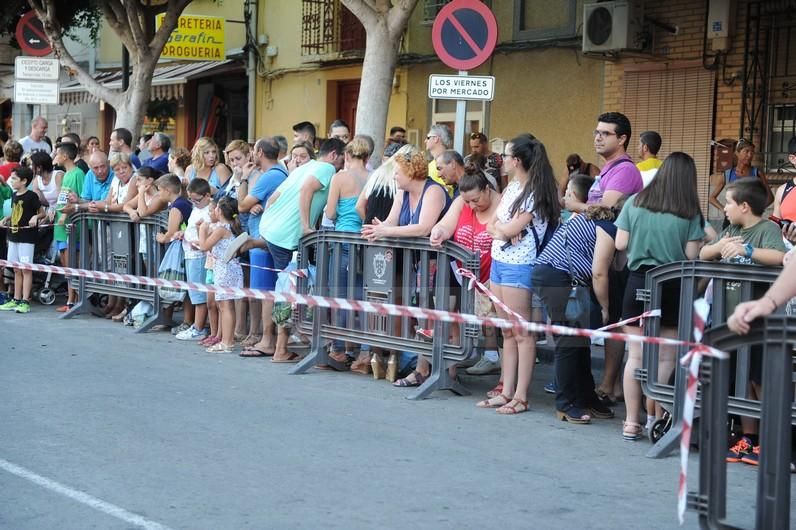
x=697 y=503
x=640 y=374
x=643 y=295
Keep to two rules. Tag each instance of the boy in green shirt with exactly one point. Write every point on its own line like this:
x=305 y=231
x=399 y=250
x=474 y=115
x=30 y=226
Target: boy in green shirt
x=748 y=239
x=65 y=155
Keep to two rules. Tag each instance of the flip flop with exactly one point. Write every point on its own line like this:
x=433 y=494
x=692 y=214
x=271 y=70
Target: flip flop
x=292 y=359
x=255 y=352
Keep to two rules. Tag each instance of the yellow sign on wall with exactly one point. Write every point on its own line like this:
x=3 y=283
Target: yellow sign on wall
x=196 y=38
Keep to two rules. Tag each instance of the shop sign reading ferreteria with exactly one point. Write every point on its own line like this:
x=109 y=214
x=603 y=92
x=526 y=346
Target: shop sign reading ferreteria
x=196 y=38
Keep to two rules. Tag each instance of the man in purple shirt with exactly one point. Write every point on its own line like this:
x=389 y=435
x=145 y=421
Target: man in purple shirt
x=619 y=176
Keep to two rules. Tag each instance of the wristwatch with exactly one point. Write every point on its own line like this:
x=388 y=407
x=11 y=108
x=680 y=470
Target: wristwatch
x=749 y=249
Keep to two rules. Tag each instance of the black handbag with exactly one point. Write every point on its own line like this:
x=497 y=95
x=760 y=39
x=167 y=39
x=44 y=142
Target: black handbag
x=578 y=308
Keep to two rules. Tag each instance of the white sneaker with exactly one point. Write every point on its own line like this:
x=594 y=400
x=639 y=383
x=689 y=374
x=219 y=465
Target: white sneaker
x=484 y=367
x=232 y=249
x=191 y=334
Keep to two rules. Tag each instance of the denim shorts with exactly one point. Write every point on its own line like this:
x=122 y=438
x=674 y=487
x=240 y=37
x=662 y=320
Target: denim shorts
x=511 y=275
x=195 y=273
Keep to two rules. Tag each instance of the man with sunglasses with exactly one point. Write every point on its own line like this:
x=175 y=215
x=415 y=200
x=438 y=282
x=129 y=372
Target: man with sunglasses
x=438 y=140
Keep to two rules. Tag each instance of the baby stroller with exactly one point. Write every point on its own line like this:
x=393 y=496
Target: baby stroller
x=46 y=287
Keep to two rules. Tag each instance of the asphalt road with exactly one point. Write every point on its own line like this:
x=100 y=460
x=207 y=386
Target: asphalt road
x=102 y=428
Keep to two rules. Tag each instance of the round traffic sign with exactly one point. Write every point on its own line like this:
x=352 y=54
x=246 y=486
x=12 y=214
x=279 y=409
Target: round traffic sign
x=31 y=37
x=464 y=34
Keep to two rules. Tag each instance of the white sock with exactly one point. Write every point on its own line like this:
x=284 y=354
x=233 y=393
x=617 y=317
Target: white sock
x=491 y=355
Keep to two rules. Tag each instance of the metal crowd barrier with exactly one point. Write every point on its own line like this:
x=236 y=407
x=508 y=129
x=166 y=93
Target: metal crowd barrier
x=748 y=281
x=392 y=270
x=777 y=336
x=111 y=242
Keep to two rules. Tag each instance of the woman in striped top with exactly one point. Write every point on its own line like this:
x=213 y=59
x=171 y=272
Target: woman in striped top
x=590 y=238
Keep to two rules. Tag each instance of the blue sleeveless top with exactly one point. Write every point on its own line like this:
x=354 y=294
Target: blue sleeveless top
x=348 y=219
x=731 y=176
x=409 y=217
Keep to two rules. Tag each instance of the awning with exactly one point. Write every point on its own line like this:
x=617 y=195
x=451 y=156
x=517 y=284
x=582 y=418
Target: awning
x=167 y=82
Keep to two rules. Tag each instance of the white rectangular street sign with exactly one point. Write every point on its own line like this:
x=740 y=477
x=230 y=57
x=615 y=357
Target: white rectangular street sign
x=472 y=87
x=36 y=92
x=36 y=68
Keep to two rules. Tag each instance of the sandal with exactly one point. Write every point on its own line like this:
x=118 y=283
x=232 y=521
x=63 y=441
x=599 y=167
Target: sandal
x=219 y=348
x=519 y=406
x=574 y=415
x=495 y=392
x=255 y=352
x=251 y=340
x=417 y=379
x=631 y=431
x=209 y=340
x=491 y=403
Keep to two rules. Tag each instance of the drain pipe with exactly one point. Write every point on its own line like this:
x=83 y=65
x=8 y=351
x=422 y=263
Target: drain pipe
x=251 y=69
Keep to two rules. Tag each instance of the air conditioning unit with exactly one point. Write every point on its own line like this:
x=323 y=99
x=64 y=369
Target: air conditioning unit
x=613 y=26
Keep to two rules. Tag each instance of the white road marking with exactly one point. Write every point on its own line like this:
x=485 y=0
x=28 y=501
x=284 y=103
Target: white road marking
x=81 y=497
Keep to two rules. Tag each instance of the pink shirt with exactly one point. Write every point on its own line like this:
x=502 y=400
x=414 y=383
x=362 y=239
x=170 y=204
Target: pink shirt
x=617 y=175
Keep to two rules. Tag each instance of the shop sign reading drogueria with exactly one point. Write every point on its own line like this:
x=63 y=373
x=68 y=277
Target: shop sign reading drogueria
x=196 y=38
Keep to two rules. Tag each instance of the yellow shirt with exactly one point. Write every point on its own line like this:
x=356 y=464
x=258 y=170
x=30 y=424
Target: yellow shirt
x=648 y=169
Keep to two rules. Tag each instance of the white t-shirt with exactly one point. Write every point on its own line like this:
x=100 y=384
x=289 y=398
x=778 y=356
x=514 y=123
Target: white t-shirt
x=118 y=191
x=192 y=233
x=524 y=252
x=29 y=146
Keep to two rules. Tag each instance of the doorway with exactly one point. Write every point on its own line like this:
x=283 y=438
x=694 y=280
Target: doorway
x=347 y=97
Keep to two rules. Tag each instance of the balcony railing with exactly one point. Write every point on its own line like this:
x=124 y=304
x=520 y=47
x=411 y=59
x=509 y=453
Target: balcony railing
x=330 y=31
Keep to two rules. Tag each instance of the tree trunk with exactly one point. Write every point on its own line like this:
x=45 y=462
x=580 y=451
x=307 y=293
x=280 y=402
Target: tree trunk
x=133 y=103
x=378 y=70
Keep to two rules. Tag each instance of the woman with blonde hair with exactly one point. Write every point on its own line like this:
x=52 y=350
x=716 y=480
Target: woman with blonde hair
x=344 y=192
x=205 y=164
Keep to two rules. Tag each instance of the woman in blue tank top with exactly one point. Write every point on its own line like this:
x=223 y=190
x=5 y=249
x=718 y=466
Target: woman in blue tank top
x=344 y=191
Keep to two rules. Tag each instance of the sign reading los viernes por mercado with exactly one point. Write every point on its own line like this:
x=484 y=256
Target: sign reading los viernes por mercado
x=196 y=38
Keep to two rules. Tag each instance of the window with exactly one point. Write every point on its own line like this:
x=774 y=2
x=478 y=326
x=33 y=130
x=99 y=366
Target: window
x=327 y=27
x=431 y=9
x=782 y=127
x=544 y=19
x=444 y=111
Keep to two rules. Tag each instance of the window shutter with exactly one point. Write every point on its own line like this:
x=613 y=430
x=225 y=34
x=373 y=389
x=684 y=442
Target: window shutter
x=678 y=104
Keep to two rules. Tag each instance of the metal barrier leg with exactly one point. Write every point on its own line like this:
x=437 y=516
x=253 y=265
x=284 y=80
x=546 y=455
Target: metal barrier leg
x=711 y=500
x=440 y=378
x=773 y=483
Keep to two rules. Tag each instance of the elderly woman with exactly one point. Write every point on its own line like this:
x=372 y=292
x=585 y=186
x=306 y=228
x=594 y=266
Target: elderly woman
x=205 y=164
x=419 y=204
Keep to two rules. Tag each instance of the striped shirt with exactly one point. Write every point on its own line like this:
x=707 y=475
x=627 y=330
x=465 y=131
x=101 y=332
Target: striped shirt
x=581 y=237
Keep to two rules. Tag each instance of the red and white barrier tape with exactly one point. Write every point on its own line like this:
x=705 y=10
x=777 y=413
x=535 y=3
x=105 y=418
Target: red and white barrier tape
x=483 y=289
x=692 y=360
x=350 y=305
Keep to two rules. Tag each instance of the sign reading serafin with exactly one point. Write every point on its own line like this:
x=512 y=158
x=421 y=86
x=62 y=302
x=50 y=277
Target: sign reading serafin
x=196 y=38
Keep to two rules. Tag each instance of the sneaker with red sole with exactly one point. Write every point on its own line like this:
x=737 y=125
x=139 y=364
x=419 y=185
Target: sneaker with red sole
x=741 y=448
x=752 y=458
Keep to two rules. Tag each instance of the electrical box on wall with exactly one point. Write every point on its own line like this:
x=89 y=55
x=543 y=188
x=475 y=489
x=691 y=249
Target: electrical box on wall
x=720 y=21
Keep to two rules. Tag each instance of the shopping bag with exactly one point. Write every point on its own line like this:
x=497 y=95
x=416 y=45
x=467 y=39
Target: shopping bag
x=172 y=267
